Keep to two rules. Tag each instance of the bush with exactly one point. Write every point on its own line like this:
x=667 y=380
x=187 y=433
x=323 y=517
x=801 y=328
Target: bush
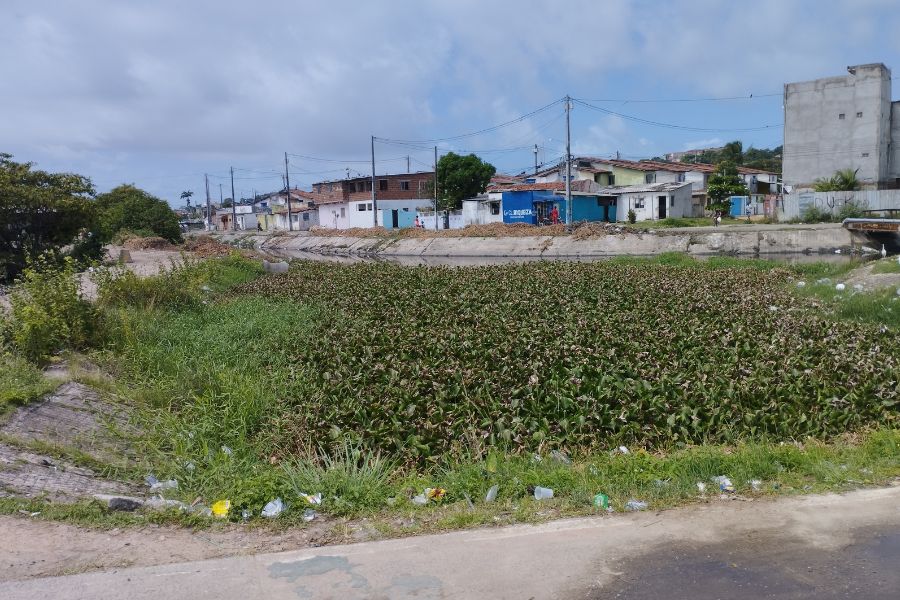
x=851 y=210
x=49 y=313
x=129 y=208
x=815 y=214
x=632 y=216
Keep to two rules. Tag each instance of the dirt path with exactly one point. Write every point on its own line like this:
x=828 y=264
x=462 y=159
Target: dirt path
x=873 y=281
x=825 y=546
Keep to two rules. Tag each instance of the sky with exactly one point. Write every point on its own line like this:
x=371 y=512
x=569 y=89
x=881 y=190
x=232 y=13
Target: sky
x=159 y=93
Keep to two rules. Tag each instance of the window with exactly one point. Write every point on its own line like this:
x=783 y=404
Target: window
x=841 y=116
x=495 y=208
x=382 y=185
x=773 y=179
x=306 y=216
x=343 y=212
x=360 y=207
x=650 y=178
x=859 y=115
x=639 y=203
x=421 y=187
x=681 y=177
x=671 y=201
x=369 y=206
x=865 y=155
x=612 y=179
x=404 y=185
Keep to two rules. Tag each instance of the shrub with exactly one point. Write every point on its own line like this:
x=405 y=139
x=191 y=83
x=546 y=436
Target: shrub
x=815 y=214
x=632 y=216
x=851 y=210
x=49 y=313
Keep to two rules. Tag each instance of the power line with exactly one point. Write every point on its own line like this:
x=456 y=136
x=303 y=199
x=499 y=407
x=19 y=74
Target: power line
x=671 y=125
x=665 y=100
x=474 y=133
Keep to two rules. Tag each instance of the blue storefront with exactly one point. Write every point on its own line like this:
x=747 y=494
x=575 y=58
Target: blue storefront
x=535 y=206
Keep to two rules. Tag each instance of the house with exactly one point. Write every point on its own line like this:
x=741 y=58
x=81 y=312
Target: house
x=482 y=210
x=348 y=202
x=533 y=203
x=243 y=215
x=272 y=210
x=846 y=122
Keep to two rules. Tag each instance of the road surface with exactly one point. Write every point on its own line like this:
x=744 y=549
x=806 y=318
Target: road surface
x=833 y=546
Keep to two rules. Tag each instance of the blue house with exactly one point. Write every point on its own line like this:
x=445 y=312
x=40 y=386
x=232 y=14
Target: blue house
x=533 y=203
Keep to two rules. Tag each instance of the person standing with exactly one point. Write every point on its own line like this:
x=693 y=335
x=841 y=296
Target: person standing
x=554 y=215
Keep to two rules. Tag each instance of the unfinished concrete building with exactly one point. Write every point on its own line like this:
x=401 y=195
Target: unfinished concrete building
x=846 y=122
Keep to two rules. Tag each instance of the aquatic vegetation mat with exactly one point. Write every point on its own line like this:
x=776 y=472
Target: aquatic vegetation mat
x=430 y=362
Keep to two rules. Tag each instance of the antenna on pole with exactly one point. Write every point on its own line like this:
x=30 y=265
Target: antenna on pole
x=233 y=204
x=374 y=197
x=568 y=164
x=287 y=189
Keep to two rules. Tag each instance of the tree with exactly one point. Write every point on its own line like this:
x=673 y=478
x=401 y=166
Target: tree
x=129 y=208
x=723 y=184
x=39 y=212
x=461 y=177
x=732 y=152
x=843 y=180
x=186 y=196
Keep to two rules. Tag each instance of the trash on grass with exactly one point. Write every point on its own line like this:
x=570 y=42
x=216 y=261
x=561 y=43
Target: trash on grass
x=601 y=501
x=840 y=287
x=635 y=505
x=701 y=487
x=542 y=493
x=227 y=451
x=421 y=500
x=151 y=480
x=160 y=503
x=622 y=450
x=492 y=493
x=724 y=483
x=246 y=514
x=312 y=498
x=220 y=509
x=273 y=508
x=436 y=494
x=309 y=514
x=754 y=484
x=536 y=458
x=560 y=457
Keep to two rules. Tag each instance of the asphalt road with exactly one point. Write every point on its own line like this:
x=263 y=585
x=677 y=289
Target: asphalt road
x=834 y=546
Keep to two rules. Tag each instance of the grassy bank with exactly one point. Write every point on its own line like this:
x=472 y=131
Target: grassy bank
x=369 y=383
x=20 y=382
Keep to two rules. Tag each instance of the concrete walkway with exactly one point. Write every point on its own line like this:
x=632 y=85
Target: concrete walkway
x=806 y=547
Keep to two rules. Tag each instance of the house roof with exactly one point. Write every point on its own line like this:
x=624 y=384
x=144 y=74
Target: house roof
x=501 y=179
x=650 y=188
x=578 y=185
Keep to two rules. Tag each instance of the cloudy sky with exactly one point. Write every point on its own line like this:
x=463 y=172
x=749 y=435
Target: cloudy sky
x=159 y=93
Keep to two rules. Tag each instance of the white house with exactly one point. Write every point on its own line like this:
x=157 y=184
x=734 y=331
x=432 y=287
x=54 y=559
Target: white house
x=482 y=210
x=651 y=202
x=334 y=214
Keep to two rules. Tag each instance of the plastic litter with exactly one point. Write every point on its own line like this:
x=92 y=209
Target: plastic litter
x=151 y=480
x=436 y=494
x=160 y=503
x=221 y=508
x=312 y=498
x=840 y=287
x=273 y=508
x=536 y=458
x=635 y=505
x=246 y=514
x=228 y=451
x=801 y=284
x=309 y=514
x=724 y=483
x=492 y=493
x=601 y=501
x=169 y=484
x=624 y=450
x=823 y=281
x=754 y=484
x=421 y=500
x=542 y=493
x=560 y=457
x=701 y=487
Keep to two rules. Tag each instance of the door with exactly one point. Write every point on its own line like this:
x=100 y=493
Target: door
x=395 y=219
x=661 y=201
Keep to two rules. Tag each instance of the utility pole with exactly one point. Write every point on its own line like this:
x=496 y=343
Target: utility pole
x=287 y=187
x=535 y=159
x=233 y=204
x=568 y=164
x=435 y=189
x=407 y=164
x=208 y=217
x=374 y=197
x=220 y=196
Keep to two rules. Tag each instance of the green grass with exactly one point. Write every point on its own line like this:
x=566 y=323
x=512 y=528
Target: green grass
x=21 y=382
x=888 y=265
x=880 y=307
x=684 y=222
x=813 y=269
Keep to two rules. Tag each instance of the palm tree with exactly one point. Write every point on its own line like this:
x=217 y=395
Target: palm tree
x=843 y=180
x=186 y=195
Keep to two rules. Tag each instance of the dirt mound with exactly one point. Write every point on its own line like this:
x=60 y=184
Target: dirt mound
x=148 y=243
x=205 y=246
x=592 y=230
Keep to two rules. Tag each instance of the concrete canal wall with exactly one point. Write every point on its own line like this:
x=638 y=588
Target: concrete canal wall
x=752 y=241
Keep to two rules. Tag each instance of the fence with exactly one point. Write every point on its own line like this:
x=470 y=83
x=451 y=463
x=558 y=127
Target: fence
x=794 y=205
